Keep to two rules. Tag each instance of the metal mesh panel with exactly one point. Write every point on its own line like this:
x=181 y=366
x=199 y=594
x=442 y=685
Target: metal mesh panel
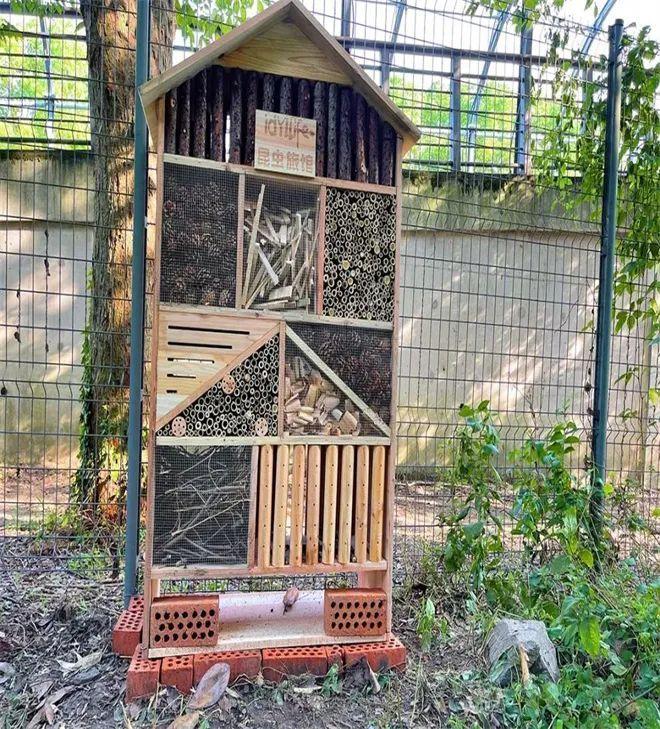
x=361 y=357
x=279 y=270
x=201 y=505
x=200 y=220
x=360 y=243
x=243 y=403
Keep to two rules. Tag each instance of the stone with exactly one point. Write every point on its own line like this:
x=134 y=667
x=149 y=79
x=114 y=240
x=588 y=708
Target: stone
x=502 y=650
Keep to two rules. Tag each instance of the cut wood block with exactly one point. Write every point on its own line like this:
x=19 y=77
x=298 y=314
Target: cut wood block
x=330 y=478
x=265 y=517
x=297 y=505
x=361 y=504
x=280 y=504
x=377 y=504
x=313 y=505
x=346 y=504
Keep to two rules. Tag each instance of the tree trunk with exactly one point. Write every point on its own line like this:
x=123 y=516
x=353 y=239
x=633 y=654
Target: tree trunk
x=111 y=40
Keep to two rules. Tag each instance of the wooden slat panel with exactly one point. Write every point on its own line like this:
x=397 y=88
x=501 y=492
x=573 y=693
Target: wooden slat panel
x=265 y=518
x=331 y=473
x=346 y=504
x=313 y=505
x=297 y=505
x=361 y=504
x=377 y=504
x=280 y=504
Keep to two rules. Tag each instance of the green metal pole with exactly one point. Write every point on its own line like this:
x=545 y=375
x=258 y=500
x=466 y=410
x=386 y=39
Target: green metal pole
x=606 y=280
x=137 y=310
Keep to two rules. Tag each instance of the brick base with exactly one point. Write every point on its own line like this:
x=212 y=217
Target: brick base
x=177 y=671
x=127 y=633
x=241 y=663
x=142 y=677
x=390 y=653
x=278 y=663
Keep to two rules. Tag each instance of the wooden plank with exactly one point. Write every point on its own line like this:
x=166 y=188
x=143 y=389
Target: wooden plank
x=313 y=505
x=252 y=247
x=265 y=505
x=297 y=504
x=387 y=159
x=291 y=440
x=198 y=114
x=374 y=145
x=280 y=505
x=330 y=476
x=183 y=121
x=361 y=174
x=377 y=504
x=252 y=517
x=320 y=252
x=345 y=132
x=250 y=118
x=332 y=150
x=236 y=116
x=320 y=116
x=336 y=380
x=170 y=121
x=346 y=504
x=362 y=504
x=216 y=85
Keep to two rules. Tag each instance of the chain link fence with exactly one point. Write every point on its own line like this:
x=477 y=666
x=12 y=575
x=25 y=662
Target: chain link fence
x=500 y=260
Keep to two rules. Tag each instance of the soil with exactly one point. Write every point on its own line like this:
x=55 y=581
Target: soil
x=47 y=618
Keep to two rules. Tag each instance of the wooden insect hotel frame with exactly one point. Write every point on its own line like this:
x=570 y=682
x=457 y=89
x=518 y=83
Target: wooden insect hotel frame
x=272 y=381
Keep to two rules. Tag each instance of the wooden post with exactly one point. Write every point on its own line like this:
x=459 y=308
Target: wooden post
x=345 y=132
x=280 y=504
x=170 y=121
x=362 y=504
x=286 y=96
x=265 y=517
x=346 y=504
x=304 y=99
x=250 y=117
x=183 y=119
x=361 y=174
x=333 y=113
x=377 y=505
x=268 y=93
x=198 y=115
x=387 y=155
x=216 y=85
x=330 y=503
x=297 y=505
x=236 y=116
x=321 y=118
x=313 y=505
x=374 y=148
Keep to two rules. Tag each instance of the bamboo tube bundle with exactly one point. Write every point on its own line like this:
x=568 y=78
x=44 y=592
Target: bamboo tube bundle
x=281 y=254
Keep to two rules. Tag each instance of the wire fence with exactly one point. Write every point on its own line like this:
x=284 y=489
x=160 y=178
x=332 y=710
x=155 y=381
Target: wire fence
x=500 y=262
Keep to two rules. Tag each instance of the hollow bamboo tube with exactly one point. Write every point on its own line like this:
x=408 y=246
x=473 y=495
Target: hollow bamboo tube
x=280 y=503
x=313 y=504
x=297 y=505
x=377 y=504
x=265 y=517
x=361 y=504
x=330 y=503
x=346 y=504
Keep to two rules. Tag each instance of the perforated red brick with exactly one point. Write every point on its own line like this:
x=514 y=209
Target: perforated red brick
x=390 y=653
x=184 y=621
x=142 y=676
x=278 y=663
x=241 y=663
x=355 y=612
x=335 y=655
x=177 y=671
x=127 y=633
x=136 y=604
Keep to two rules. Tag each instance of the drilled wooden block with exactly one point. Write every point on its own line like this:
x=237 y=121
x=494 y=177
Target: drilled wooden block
x=278 y=663
x=383 y=655
x=355 y=612
x=186 y=621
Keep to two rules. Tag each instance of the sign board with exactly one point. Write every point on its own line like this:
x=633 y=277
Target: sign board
x=285 y=143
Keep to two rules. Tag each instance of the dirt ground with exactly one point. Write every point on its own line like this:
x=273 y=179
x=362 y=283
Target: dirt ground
x=48 y=620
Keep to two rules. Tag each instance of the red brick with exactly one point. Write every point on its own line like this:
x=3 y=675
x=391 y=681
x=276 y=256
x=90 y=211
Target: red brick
x=136 y=604
x=184 y=621
x=142 y=676
x=241 y=663
x=382 y=655
x=281 y=662
x=127 y=633
x=355 y=612
x=177 y=671
x=335 y=655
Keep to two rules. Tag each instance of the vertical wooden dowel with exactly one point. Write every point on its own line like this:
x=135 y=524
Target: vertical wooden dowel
x=170 y=121
x=321 y=118
x=374 y=148
x=280 y=504
x=331 y=146
x=388 y=142
x=265 y=516
x=198 y=115
x=346 y=504
x=216 y=86
x=345 y=132
x=236 y=116
x=323 y=194
x=286 y=95
x=268 y=93
x=250 y=117
x=377 y=505
x=330 y=475
x=313 y=504
x=252 y=517
x=297 y=504
x=183 y=119
x=362 y=504
x=360 y=139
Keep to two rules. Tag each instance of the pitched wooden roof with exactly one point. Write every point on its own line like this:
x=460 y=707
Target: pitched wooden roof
x=284 y=30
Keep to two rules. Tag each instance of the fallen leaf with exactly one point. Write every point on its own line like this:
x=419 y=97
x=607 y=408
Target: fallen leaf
x=290 y=597
x=211 y=688
x=306 y=690
x=40 y=688
x=6 y=672
x=43 y=713
x=86 y=676
x=186 y=721
x=373 y=680
x=49 y=713
x=81 y=663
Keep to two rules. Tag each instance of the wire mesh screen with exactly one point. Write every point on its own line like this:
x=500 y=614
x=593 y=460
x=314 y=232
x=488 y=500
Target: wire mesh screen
x=198 y=248
x=201 y=505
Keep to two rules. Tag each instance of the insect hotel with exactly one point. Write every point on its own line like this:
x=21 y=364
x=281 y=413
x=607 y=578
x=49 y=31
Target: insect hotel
x=272 y=365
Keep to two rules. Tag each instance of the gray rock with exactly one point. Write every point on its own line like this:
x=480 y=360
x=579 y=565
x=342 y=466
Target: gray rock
x=502 y=650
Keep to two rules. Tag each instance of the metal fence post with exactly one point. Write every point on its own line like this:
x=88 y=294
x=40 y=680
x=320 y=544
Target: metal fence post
x=455 y=113
x=606 y=279
x=137 y=309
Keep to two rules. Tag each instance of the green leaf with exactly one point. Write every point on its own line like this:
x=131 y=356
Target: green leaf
x=465 y=411
x=474 y=530
x=586 y=556
x=561 y=564
x=589 y=630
